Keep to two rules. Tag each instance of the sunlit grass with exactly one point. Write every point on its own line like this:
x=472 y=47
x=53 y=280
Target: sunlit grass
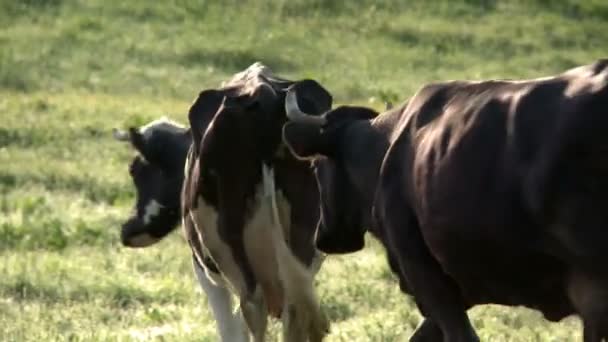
x=71 y=70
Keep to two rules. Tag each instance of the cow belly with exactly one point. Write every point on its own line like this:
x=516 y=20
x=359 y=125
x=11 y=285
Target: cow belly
x=504 y=272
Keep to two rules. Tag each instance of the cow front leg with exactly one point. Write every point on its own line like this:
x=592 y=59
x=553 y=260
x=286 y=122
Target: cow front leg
x=591 y=332
x=589 y=295
x=427 y=331
x=230 y=325
x=436 y=294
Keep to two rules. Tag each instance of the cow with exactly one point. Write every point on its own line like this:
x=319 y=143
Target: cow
x=254 y=207
x=157 y=172
x=482 y=192
x=355 y=139
x=295 y=205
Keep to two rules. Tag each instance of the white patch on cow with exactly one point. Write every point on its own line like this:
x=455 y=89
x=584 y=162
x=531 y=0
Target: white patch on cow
x=270 y=194
x=151 y=210
x=231 y=326
x=142 y=240
x=288 y=282
x=205 y=217
x=187 y=162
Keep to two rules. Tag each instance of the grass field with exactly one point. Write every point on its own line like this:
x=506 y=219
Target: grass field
x=71 y=70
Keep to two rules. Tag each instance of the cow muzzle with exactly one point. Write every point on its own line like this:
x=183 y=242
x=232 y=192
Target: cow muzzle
x=134 y=235
x=338 y=241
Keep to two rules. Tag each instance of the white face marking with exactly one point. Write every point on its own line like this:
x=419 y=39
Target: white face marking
x=151 y=210
x=142 y=240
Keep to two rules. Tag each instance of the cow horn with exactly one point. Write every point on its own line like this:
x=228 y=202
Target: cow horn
x=120 y=135
x=295 y=114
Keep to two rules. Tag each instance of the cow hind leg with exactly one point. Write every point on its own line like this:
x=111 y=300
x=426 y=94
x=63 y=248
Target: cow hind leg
x=287 y=283
x=302 y=317
x=256 y=315
x=230 y=325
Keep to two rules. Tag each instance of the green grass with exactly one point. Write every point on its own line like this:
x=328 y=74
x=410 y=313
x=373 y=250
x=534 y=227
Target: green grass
x=71 y=70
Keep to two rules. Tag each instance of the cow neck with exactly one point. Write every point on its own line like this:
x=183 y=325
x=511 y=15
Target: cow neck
x=364 y=146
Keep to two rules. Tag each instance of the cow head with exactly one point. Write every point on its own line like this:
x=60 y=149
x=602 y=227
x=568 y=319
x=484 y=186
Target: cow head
x=325 y=141
x=157 y=173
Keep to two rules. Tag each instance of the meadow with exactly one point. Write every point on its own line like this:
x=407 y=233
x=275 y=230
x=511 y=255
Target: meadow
x=71 y=70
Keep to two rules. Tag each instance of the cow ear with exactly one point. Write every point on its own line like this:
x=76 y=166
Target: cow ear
x=304 y=141
x=137 y=140
x=312 y=97
x=202 y=112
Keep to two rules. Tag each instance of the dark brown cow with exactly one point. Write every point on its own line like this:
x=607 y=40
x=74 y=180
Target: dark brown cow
x=254 y=207
x=489 y=192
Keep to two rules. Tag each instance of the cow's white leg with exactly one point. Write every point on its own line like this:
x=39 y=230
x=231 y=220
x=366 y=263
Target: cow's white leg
x=230 y=325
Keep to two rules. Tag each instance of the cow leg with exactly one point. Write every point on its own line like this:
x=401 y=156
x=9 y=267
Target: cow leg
x=436 y=295
x=589 y=295
x=256 y=315
x=299 y=308
x=427 y=331
x=230 y=326
x=302 y=317
x=224 y=252
x=591 y=333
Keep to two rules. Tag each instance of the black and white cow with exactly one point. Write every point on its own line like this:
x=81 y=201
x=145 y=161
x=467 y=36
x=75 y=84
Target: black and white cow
x=249 y=208
x=253 y=205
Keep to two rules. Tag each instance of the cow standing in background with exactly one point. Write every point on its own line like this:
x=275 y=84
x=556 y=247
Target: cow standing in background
x=158 y=174
x=488 y=192
x=249 y=208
